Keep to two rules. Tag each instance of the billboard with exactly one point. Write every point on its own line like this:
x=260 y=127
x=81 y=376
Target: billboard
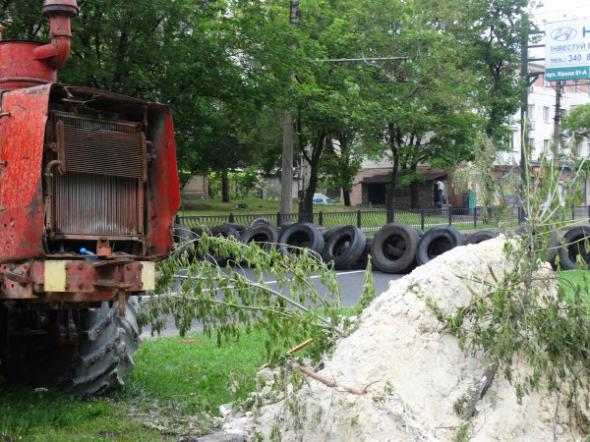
x=567 y=50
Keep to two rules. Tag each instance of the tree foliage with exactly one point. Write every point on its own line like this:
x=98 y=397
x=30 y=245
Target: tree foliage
x=532 y=329
x=229 y=302
x=576 y=124
x=227 y=69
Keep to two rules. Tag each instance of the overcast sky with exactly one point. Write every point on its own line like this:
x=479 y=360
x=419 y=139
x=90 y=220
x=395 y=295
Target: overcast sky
x=558 y=10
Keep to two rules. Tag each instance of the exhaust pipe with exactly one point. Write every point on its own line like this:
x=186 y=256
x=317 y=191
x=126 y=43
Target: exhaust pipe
x=60 y=14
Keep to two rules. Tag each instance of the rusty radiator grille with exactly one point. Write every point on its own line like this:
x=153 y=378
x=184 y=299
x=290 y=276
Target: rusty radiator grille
x=100 y=147
x=96 y=205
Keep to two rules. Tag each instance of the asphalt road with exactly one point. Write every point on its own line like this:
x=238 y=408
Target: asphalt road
x=351 y=286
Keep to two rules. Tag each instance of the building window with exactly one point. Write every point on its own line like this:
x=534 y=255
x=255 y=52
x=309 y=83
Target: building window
x=531 y=144
x=546 y=83
x=546 y=114
x=546 y=146
x=531 y=112
x=576 y=86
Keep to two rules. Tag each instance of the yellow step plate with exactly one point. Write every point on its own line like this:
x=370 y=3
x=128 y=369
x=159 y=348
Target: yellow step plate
x=148 y=276
x=55 y=276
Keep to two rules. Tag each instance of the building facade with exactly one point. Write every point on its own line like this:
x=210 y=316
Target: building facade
x=541 y=114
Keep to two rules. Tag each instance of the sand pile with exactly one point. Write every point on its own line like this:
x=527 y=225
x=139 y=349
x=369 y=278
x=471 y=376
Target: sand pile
x=415 y=374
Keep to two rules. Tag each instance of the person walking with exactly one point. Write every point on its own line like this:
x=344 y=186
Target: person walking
x=440 y=199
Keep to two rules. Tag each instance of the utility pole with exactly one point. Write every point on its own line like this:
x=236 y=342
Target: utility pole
x=288 y=136
x=524 y=105
x=557 y=119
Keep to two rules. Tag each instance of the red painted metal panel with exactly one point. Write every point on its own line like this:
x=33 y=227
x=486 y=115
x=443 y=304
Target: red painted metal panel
x=164 y=190
x=21 y=153
x=19 y=68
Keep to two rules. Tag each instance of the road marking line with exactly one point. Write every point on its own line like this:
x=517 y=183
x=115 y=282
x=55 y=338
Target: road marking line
x=354 y=272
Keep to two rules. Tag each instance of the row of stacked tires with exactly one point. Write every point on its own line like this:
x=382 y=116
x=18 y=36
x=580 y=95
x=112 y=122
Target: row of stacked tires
x=396 y=248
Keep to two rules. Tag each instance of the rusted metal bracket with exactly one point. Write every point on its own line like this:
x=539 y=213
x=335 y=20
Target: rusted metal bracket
x=19 y=277
x=122 y=303
x=112 y=284
x=113 y=263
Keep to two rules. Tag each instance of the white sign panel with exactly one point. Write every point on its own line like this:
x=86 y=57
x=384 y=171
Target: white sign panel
x=567 y=51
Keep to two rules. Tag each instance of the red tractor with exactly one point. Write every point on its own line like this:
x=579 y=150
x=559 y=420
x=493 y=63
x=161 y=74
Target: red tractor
x=88 y=195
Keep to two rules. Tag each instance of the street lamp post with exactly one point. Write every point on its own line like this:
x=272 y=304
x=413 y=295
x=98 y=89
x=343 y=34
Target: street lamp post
x=288 y=136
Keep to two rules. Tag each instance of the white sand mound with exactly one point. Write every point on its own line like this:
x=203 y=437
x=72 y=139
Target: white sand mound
x=415 y=372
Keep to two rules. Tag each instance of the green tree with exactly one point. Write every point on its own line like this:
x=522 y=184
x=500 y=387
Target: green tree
x=576 y=124
x=424 y=108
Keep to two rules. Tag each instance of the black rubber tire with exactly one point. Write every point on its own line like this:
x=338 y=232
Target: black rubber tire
x=394 y=248
x=182 y=237
x=553 y=249
x=197 y=232
x=574 y=241
x=361 y=263
x=228 y=229
x=301 y=235
x=223 y=231
x=480 y=236
x=181 y=233
x=93 y=362
x=345 y=247
x=368 y=246
x=106 y=352
x=437 y=241
x=261 y=220
x=328 y=233
x=262 y=234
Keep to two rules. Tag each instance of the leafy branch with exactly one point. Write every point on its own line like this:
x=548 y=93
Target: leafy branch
x=239 y=298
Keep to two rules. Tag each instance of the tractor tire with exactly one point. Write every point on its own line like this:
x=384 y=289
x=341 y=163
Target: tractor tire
x=106 y=353
x=94 y=361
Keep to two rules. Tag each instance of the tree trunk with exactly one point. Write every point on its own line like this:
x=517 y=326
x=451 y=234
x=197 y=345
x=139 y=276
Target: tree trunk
x=394 y=170
x=287 y=165
x=346 y=197
x=306 y=206
x=390 y=190
x=224 y=186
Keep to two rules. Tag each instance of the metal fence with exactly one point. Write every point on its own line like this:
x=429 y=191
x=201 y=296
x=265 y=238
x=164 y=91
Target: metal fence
x=372 y=220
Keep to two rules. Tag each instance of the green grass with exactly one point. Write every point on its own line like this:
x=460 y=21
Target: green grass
x=176 y=380
x=211 y=207
x=197 y=371
x=573 y=281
